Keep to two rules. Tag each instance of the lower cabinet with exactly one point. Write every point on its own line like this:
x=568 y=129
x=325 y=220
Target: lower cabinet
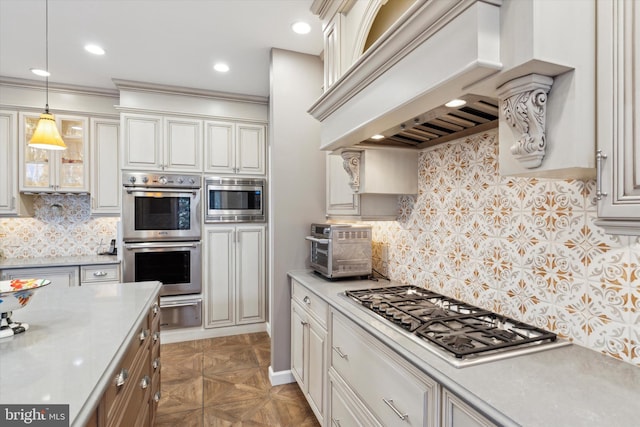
x=309 y=347
x=60 y=276
x=457 y=413
x=132 y=397
x=234 y=275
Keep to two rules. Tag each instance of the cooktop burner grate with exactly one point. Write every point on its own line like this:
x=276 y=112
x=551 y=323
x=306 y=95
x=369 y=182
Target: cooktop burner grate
x=462 y=329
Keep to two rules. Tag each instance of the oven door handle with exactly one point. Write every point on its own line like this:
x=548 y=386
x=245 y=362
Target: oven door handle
x=160 y=190
x=179 y=304
x=315 y=239
x=153 y=245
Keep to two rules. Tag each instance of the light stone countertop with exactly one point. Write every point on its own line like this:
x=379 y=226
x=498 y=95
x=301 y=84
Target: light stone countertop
x=75 y=341
x=567 y=386
x=57 y=261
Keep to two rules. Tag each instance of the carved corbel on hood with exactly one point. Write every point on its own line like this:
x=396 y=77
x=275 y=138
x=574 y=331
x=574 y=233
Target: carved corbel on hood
x=523 y=105
x=351 y=164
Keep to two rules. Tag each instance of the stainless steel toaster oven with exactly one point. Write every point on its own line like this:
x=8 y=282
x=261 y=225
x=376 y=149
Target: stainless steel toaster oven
x=340 y=250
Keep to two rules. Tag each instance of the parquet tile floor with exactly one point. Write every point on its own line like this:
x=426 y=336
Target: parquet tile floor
x=224 y=382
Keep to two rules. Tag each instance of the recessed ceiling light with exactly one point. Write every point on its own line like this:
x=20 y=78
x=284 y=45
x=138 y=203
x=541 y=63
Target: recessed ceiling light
x=455 y=103
x=377 y=137
x=95 y=49
x=221 y=67
x=39 y=72
x=301 y=27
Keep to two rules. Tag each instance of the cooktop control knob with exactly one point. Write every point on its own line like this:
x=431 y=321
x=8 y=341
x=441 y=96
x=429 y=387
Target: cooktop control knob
x=132 y=179
x=180 y=180
x=162 y=180
x=145 y=179
x=192 y=181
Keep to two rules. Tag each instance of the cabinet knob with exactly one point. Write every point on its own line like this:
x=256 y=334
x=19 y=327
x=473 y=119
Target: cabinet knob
x=156 y=363
x=155 y=308
x=156 y=396
x=121 y=378
x=145 y=382
x=144 y=334
x=156 y=336
x=306 y=300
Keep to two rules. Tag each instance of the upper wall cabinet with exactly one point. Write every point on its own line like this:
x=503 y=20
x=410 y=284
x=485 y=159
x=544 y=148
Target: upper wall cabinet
x=618 y=185
x=11 y=202
x=155 y=142
x=235 y=148
x=45 y=171
x=105 y=173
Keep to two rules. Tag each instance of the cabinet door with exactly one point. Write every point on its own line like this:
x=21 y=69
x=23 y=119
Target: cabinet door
x=71 y=170
x=219 y=148
x=618 y=111
x=341 y=200
x=183 y=144
x=59 y=276
x=299 y=325
x=251 y=149
x=219 y=269
x=141 y=141
x=250 y=276
x=36 y=165
x=8 y=162
x=456 y=413
x=105 y=173
x=316 y=371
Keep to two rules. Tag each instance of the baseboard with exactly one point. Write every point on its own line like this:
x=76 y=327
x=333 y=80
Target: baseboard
x=280 y=377
x=190 y=334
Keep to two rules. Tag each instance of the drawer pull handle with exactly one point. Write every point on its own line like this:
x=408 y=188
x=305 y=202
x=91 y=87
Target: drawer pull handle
x=144 y=334
x=99 y=273
x=394 y=409
x=156 y=396
x=335 y=422
x=156 y=309
x=340 y=353
x=156 y=363
x=144 y=383
x=307 y=300
x=600 y=157
x=121 y=378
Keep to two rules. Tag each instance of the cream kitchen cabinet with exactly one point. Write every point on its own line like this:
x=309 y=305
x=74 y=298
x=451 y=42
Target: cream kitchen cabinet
x=105 y=172
x=46 y=171
x=99 y=274
x=235 y=148
x=161 y=143
x=309 y=346
x=457 y=413
x=64 y=276
x=397 y=395
x=234 y=275
x=11 y=201
x=618 y=116
x=365 y=184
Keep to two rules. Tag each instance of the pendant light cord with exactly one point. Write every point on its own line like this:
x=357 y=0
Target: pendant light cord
x=46 y=39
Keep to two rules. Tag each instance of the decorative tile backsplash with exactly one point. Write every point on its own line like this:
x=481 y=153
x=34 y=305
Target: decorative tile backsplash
x=61 y=226
x=524 y=247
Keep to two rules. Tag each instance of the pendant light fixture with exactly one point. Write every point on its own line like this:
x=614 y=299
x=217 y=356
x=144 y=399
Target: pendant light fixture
x=46 y=135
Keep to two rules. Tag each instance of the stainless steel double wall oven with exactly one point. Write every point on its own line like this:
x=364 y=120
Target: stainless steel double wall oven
x=161 y=233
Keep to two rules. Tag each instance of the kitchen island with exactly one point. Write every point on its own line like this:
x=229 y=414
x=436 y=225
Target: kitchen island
x=566 y=386
x=76 y=342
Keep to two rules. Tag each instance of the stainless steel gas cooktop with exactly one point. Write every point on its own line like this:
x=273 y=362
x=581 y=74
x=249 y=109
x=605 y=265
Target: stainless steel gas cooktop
x=456 y=331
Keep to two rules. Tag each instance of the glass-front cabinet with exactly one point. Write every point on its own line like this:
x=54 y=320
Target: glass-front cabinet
x=55 y=171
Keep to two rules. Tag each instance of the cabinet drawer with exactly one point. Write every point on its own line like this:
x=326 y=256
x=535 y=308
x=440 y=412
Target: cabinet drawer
x=311 y=302
x=126 y=376
x=344 y=412
x=103 y=273
x=393 y=393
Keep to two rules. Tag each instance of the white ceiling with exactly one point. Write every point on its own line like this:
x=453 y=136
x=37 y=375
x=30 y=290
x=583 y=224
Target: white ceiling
x=171 y=42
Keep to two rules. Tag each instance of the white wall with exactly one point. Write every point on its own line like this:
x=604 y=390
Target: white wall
x=296 y=185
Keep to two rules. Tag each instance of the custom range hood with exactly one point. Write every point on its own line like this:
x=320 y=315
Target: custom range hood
x=429 y=56
x=518 y=65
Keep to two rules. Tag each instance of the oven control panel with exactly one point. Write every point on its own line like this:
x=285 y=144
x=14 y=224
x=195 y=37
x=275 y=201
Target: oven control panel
x=145 y=179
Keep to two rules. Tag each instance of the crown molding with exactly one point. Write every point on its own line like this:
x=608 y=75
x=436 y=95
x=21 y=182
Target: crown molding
x=58 y=87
